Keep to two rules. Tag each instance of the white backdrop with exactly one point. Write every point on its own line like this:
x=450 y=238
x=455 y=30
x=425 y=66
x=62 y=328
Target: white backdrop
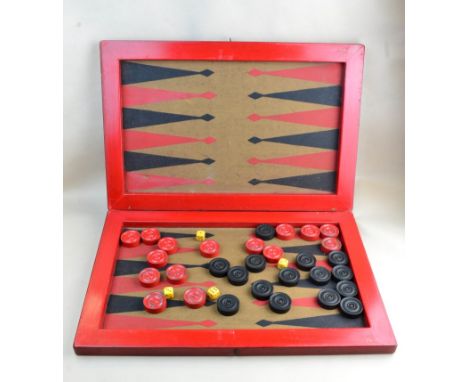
x=379 y=194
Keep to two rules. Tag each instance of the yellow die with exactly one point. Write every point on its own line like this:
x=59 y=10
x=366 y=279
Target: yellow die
x=169 y=292
x=282 y=263
x=200 y=235
x=213 y=293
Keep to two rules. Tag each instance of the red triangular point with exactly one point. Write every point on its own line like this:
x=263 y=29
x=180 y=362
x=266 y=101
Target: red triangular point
x=137 y=140
x=324 y=160
x=135 y=95
x=121 y=321
x=326 y=73
x=329 y=117
x=135 y=181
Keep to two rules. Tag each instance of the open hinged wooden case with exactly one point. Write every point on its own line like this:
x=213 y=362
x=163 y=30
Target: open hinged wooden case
x=224 y=136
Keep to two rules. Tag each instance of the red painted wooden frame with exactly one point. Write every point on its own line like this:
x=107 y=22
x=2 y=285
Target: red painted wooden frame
x=91 y=338
x=112 y=52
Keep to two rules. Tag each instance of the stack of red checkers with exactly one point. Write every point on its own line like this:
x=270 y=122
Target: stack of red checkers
x=273 y=253
x=149 y=277
x=209 y=248
x=176 y=274
x=150 y=236
x=254 y=245
x=155 y=302
x=285 y=232
x=130 y=238
x=194 y=297
x=310 y=232
x=168 y=244
x=329 y=230
x=330 y=244
x=157 y=258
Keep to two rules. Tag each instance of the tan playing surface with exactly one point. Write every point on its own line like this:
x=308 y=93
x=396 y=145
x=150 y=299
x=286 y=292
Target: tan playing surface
x=231 y=241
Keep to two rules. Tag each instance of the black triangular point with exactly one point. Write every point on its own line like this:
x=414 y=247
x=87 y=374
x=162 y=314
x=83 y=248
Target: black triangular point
x=255 y=95
x=264 y=323
x=208 y=161
x=206 y=72
x=255 y=140
x=207 y=117
x=254 y=181
x=312 y=249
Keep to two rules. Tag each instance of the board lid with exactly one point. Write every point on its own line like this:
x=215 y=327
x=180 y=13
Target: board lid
x=231 y=125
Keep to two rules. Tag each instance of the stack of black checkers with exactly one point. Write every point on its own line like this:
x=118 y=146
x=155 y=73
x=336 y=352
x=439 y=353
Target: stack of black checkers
x=345 y=292
x=278 y=302
x=220 y=267
x=228 y=304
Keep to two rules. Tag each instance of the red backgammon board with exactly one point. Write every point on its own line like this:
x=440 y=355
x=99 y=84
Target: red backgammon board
x=230 y=179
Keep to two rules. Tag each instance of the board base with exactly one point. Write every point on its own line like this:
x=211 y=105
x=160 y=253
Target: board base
x=95 y=335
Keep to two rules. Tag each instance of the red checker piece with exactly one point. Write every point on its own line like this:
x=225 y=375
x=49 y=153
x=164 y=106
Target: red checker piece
x=150 y=236
x=176 y=274
x=168 y=244
x=285 y=232
x=130 y=238
x=273 y=253
x=157 y=258
x=310 y=232
x=149 y=277
x=329 y=230
x=254 y=245
x=209 y=248
x=330 y=244
x=194 y=297
x=155 y=302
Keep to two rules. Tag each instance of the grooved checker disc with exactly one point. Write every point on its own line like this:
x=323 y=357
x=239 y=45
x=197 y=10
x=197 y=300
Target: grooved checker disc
x=330 y=244
x=219 y=267
x=255 y=263
x=272 y=253
x=254 y=245
x=351 y=307
x=338 y=258
x=149 y=277
x=168 y=244
x=130 y=238
x=305 y=260
x=342 y=272
x=194 y=297
x=289 y=277
x=319 y=275
x=347 y=288
x=228 y=304
x=209 y=248
x=328 y=298
x=310 y=232
x=150 y=236
x=285 y=232
x=176 y=274
x=265 y=231
x=238 y=275
x=155 y=302
x=280 y=302
x=157 y=258
x=262 y=289
x=329 y=230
